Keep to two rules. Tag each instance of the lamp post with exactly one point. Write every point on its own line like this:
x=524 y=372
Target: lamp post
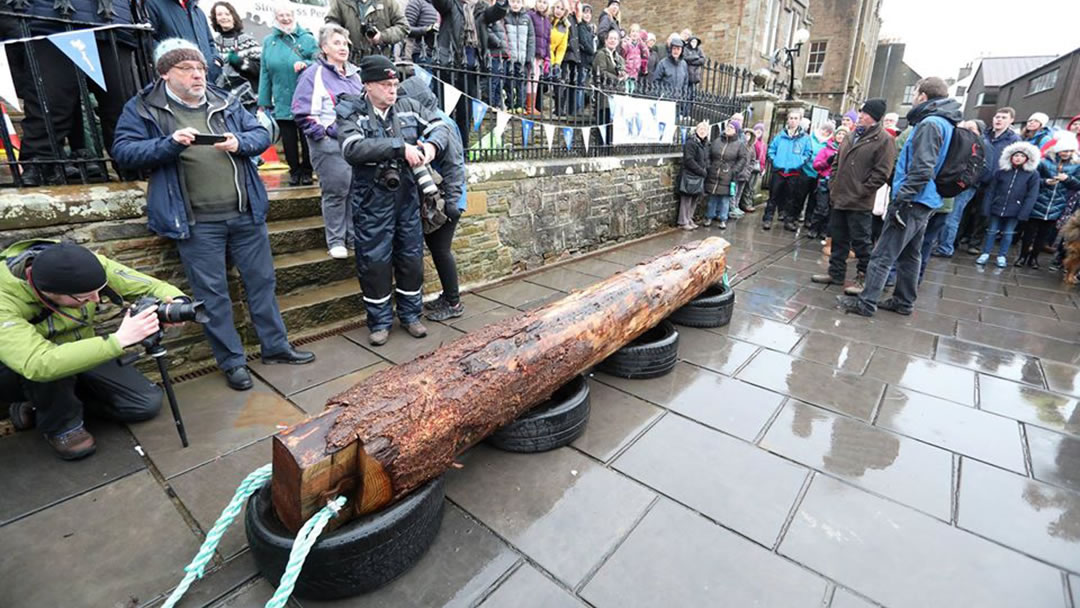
x=799 y=39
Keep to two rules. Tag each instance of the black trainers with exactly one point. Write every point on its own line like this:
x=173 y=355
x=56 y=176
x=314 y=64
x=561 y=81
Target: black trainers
x=435 y=304
x=892 y=305
x=850 y=304
x=445 y=312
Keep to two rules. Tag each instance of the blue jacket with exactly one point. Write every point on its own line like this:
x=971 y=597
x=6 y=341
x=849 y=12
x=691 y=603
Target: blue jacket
x=170 y=20
x=144 y=142
x=1053 y=198
x=1040 y=137
x=816 y=145
x=924 y=152
x=994 y=147
x=789 y=153
x=1013 y=191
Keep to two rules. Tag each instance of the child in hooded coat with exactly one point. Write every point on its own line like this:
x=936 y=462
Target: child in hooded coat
x=1010 y=197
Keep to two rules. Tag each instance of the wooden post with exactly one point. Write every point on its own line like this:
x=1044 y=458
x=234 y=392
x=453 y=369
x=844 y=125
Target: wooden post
x=405 y=425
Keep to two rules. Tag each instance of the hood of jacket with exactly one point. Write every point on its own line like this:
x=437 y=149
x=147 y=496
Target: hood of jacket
x=945 y=107
x=1030 y=151
x=415 y=88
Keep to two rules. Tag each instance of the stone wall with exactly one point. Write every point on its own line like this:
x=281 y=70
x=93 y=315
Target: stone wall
x=520 y=216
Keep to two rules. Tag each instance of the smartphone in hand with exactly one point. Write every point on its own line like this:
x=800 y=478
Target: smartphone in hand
x=207 y=139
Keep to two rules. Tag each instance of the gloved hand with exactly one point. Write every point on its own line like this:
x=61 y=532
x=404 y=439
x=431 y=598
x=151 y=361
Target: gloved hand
x=315 y=131
x=234 y=60
x=331 y=132
x=453 y=212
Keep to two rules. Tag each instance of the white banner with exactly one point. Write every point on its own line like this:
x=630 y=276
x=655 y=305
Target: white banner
x=642 y=121
x=501 y=120
x=549 y=134
x=450 y=98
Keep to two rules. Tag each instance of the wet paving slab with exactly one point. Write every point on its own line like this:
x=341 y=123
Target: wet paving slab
x=872 y=330
x=1022 y=342
x=562 y=279
x=712 y=351
x=981 y=298
x=559 y=507
x=1029 y=404
x=777 y=309
x=479 y=321
x=337 y=355
x=402 y=347
x=812 y=382
x=527 y=587
x=708 y=566
x=717 y=401
x=897 y=556
x=1062 y=378
x=990 y=360
x=761 y=331
x=729 y=481
x=838 y=353
x=1035 y=518
x=924 y=375
x=908 y=471
x=616 y=419
x=1055 y=458
x=518 y=293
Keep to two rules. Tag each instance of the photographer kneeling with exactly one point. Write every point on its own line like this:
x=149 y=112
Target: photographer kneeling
x=51 y=361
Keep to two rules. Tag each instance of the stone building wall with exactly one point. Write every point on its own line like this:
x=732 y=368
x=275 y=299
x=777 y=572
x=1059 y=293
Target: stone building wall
x=520 y=216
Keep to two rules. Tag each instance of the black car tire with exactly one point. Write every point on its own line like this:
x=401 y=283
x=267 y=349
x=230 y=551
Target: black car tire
x=361 y=556
x=552 y=424
x=652 y=354
x=712 y=308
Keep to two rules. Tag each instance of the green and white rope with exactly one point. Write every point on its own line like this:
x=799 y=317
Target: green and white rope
x=305 y=540
x=197 y=567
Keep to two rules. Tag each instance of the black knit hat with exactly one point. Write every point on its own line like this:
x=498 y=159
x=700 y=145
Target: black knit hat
x=375 y=68
x=67 y=269
x=875 y=107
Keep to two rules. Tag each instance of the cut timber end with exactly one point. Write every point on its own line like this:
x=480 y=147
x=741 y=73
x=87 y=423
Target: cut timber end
x=404 y=425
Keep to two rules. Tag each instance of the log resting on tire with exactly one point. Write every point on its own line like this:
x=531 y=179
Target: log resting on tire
x=405 y=425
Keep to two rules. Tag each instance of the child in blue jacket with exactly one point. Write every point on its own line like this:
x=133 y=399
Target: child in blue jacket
x=1010 y=197
x=788 y=152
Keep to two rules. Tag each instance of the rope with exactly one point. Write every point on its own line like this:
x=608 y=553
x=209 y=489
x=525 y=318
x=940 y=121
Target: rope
x=305 y=539
x=196 y=568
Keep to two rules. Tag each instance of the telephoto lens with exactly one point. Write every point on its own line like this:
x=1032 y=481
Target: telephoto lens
x=425 y=181
x=182 y=311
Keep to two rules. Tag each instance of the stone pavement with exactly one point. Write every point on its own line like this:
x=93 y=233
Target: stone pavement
x=797 y=457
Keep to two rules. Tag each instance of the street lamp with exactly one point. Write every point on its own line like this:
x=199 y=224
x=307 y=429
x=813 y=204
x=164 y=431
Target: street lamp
x=799 y=39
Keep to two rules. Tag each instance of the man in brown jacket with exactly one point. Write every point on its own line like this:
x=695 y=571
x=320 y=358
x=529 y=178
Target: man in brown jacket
x=375 y=26
x=863 y=165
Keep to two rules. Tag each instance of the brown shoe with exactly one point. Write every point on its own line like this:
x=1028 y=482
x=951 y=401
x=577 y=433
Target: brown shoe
x=74 y=444
x=824 y=279
x=416 y=329
x=378 y=337
x=857 y=287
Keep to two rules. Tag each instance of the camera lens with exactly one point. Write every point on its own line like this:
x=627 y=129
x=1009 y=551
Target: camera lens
x=180 y=312
x=392 y=180
x=424 y=180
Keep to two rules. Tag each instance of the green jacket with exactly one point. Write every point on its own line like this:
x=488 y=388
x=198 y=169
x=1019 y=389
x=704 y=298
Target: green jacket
x=57 y=347
x=277 y=78
x=386 y=15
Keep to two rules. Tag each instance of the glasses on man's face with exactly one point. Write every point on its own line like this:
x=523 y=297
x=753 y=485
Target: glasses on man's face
x=188 y=69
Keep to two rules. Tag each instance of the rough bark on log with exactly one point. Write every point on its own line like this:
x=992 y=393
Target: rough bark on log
x=405 y=425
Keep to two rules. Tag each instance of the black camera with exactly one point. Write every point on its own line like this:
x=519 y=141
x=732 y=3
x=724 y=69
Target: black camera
x=172 y=312
x=370 y=31
x=388 y=176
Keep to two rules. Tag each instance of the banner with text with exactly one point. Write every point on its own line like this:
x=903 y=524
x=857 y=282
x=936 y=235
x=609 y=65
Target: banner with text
x=641 y=121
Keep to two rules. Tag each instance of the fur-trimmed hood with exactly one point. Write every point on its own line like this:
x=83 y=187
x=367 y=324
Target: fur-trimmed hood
x=1028 y=150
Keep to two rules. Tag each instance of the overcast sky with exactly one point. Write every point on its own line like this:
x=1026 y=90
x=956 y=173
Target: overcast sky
x=943 y=35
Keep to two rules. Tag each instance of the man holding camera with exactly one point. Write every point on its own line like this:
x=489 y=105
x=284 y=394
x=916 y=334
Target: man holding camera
x=375 y=26
x=388 y=141
x=205 y=193
x=52 y=363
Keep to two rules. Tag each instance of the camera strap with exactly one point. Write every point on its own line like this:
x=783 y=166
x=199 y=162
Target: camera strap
x=50 y=309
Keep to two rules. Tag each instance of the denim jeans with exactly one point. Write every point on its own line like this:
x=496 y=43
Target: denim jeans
x=934 y=228
x=718 y=207
x=1007 y=226
x=952 y=223
x=495 y=82
x=582 y=77
x=900 y=246
x=516 y=85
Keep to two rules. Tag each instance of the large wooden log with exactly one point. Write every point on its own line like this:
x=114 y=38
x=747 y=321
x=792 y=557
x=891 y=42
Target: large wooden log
x=404 y=425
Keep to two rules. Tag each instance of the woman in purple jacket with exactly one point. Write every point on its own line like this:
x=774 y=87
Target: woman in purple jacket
x=541 y=62
x=313 y=104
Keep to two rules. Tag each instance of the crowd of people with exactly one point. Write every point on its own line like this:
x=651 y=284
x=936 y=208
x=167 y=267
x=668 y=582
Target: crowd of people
x=873 y=193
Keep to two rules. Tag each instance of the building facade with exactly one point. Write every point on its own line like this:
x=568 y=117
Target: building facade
x=1053 y=88
x=743 y=33
x=992 y=73
x=839 y=58
x=892 y=79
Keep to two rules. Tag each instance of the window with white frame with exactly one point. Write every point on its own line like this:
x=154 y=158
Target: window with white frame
x=772 y=16
x=1042 y=82
x=909 y=94
x=816 y=58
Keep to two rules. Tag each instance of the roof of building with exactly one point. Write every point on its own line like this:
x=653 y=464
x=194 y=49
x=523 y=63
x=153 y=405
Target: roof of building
x=999 y=70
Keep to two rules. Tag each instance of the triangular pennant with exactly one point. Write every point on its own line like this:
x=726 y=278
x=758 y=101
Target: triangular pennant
x=424 y=75
x=585 y=133
x=81 y=48
x=450 y=98
x=603 y=133
x=549 y=134
x=663 y=127
x=684 y=131
x=568 y=136
x=7 y=86
x=501 y=120
x=526 y=130
x=479 y=111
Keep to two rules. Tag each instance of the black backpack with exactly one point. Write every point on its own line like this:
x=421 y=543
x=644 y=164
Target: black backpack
x=964 y=163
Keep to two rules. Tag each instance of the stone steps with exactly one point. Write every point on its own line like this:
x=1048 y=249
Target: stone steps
x=326 y=304
x=295 y=235
x=310 y=268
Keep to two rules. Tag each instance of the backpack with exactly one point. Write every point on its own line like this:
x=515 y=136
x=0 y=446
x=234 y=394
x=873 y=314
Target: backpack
x=964 y=163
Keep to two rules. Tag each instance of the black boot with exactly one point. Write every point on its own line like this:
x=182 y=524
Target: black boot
x=1033 y=260
x=1021 y=260
x=294 y=178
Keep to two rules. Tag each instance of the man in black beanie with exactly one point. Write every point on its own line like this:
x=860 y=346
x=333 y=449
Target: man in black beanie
x=386 y=140
x=50 y=356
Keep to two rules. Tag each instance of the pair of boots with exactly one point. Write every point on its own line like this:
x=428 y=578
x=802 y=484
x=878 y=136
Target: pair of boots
x=1028 y=258
x=300 y=178
x=530 y=105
